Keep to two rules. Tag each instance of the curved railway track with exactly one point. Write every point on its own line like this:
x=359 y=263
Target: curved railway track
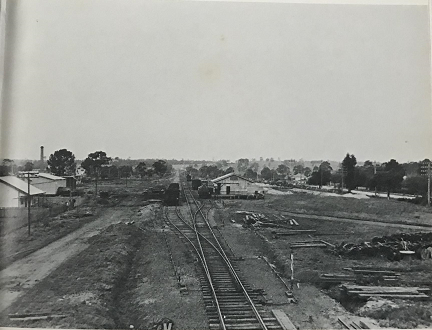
x=230 y=303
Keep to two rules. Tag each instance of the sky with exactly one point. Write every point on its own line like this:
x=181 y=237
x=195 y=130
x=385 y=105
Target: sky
x=217 y=80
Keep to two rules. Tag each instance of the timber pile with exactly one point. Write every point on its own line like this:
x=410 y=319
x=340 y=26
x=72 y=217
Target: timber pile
x=356 y=323
x=359 y=275
x=394 y=247
x=365 y=292
x=307 y=244
x=294 y=232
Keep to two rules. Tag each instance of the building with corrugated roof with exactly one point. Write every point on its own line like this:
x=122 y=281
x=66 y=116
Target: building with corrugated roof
x=46 y=182
x=14 y=192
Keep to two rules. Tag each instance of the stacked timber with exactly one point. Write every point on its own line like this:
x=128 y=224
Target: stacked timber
x=307 y=244
x=366 y=292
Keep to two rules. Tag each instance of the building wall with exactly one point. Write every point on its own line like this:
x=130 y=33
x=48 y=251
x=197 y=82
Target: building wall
x=47 y=185
x=9 y=197
x=238 y=186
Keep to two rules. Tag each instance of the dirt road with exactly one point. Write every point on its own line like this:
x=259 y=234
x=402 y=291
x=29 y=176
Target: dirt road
x=23 y=274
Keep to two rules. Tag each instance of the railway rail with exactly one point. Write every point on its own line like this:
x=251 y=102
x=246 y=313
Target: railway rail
x=230 y=302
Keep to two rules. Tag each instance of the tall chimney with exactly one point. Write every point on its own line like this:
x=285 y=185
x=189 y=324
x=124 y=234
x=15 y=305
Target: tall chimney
x=42 y=154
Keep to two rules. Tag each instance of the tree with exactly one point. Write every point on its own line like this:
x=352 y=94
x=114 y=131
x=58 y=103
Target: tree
x=62 y=162
x=307 y=171
x=250 y=174
x=321 y=175
x=266 y=173
x=416 y=185
x=229 y=170
x=254 y=166
x=141 y=169
x=348 y=171
x=242 y=164
x=390 y=178
x=160 y=167
x=283 y=170
x=28 y=166
x=125 y=171
x=298 y=169
x=94 y=161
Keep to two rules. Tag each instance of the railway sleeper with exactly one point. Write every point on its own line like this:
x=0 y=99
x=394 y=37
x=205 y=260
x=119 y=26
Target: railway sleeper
x=248 y=326
x=235 y=319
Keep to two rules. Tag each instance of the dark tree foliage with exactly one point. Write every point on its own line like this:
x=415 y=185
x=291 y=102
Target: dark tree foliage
x=266 y=173
x=389 y=178
x=416 y=185
x=28 y=166
x=322 y=175
x=160 y=167
x=283 y=170
x=250 y=174
x=298 y=169
x=229 y=170
x=125 y=171
x=141 y=169
x=348 y=165
x=62 y=162
x=94 y=161
x=307 y=171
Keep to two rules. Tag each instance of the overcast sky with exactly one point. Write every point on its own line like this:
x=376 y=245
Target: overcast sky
x=204 y=80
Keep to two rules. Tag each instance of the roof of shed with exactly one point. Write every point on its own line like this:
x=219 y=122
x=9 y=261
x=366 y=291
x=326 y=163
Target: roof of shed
x=50 y=176
x=223 y=177
x=20 y=185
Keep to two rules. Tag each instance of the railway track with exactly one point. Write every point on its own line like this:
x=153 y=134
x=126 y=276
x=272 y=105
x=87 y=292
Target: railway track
x=230 y=302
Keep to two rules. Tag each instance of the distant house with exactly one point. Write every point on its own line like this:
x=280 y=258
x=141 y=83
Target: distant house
x=234 y=184
x=46 y=182
x=14 y=192
x=301 y=178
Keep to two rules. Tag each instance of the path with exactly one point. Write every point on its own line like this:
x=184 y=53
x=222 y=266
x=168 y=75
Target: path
x=25 y=273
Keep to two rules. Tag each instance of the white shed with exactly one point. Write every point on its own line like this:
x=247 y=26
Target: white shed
x=234 y=184
x=14 y=192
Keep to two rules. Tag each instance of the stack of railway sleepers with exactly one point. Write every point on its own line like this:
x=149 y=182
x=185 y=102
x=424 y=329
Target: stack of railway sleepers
x=295 y=232
x=356 y=323
x=358 y=278
x=366 y=292
x=307 y=244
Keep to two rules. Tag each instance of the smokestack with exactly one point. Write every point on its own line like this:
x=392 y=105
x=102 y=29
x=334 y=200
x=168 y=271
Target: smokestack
x=42 y=154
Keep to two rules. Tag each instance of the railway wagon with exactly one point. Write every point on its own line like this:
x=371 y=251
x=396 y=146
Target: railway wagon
x=196 y=183
x=172 y=195
x=204 y=191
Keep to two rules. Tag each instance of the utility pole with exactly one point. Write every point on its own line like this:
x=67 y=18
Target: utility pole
x=427 y=171
x=28 y=203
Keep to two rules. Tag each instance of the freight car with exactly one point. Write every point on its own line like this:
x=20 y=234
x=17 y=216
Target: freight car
x=204 y=191
x=196 y=183
x=172 y=194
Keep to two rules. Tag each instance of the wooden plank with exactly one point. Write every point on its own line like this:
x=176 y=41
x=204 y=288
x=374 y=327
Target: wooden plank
x=420 y=296
x=283 y=320
x=36 y=318
x=369 y=271
x=385 y=288
x=307 y=245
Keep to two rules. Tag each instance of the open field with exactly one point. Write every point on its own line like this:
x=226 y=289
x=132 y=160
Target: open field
x=378 y=209
x=126 y=267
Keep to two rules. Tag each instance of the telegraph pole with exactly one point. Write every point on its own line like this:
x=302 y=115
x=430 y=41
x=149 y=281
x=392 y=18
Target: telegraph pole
x=28 y=203
x=427 y=169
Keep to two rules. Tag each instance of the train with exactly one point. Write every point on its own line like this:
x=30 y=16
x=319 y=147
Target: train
x=172 y=195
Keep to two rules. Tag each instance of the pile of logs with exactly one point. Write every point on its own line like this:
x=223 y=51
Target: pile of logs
x=393 y=247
